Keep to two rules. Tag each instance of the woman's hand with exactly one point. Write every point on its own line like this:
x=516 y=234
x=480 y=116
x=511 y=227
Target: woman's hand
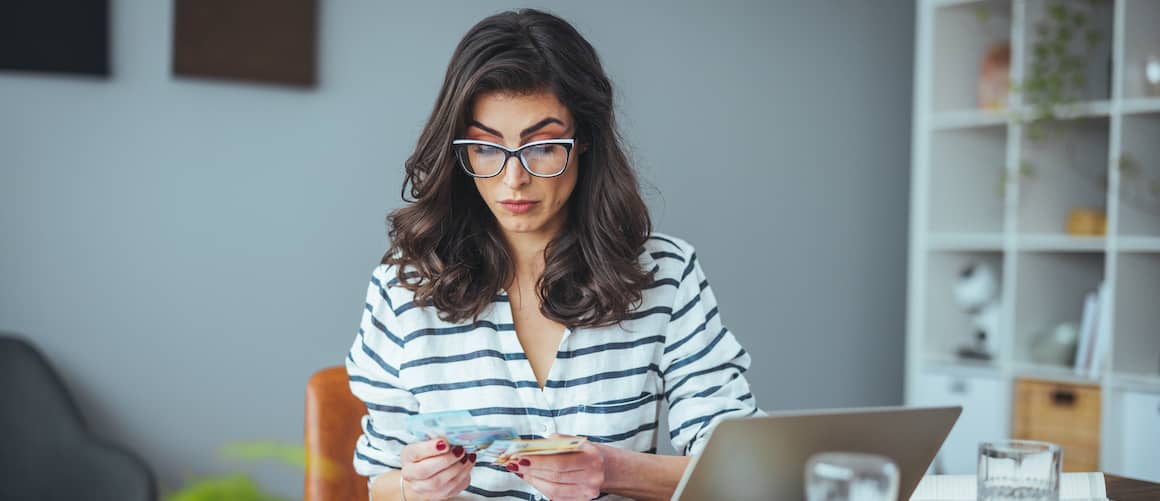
x=432 y=470
x=575 y=475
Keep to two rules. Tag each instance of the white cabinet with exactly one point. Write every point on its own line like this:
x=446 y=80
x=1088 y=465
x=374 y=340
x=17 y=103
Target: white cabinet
x=1139 y=435
x=986 y=402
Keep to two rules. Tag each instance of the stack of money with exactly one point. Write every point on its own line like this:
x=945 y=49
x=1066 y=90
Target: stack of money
x=495 y=444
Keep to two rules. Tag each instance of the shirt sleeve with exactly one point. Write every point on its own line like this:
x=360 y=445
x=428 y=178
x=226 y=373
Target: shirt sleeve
x=373 y=369
x=703 y=364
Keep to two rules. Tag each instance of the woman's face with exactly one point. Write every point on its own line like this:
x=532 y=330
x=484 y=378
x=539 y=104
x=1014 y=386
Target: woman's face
x=523 y=203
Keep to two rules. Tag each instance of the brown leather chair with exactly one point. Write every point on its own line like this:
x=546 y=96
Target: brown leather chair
x=333 y=424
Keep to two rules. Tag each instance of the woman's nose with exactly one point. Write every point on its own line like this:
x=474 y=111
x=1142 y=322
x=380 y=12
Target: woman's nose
x=514 y=174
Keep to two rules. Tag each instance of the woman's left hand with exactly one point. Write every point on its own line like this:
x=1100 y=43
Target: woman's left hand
x=575 y=475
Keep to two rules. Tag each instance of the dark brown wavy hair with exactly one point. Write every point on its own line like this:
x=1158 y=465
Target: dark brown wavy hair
x=446 y=243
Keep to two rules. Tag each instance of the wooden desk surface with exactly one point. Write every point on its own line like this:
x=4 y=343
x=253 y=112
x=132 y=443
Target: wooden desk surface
x=1126 y=489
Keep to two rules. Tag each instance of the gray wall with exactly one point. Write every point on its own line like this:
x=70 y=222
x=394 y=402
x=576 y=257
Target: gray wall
x=188 y=252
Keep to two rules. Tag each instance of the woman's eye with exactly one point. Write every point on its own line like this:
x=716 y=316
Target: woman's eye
x=542 y=149
x=482 y=149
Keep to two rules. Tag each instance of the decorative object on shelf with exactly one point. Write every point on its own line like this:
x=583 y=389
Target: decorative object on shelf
x=1064 y=45
x=1057 y=74
x=1152 y=73
x=977 y=293
x=995 y=77
x=1087 y=222
x=1055 y=346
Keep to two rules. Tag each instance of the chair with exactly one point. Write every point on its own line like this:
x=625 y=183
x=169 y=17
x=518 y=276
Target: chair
x=47 y=452
x=333 y=425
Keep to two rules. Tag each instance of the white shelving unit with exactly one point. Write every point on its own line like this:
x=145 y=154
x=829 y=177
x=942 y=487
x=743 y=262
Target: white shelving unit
x=973 y=200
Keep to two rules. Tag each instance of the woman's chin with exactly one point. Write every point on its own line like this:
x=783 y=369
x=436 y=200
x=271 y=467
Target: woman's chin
x=520 y=225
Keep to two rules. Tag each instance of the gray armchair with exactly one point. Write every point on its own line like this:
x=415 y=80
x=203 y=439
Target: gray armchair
x=47 y=452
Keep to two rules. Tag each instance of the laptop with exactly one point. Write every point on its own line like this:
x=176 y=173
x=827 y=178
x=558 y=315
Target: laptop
x=764 y=457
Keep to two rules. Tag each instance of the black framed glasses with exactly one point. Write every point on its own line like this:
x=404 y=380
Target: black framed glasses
x=547 y=158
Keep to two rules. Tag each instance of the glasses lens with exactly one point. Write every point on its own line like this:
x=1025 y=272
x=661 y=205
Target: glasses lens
x=546 y=159
x=481 y=159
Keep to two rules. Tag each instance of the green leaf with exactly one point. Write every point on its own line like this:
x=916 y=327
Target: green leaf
x=1128 y=166
x=1057 y=12
x=1078 y=80
x=1093 y=37
x=237 y=487
x=1026 y=169
x=1078 y=19
x=1155 y=187
x=291 y=455
x=982 y=13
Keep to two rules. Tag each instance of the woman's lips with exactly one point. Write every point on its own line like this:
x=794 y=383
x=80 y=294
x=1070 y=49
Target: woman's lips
x=518 y=206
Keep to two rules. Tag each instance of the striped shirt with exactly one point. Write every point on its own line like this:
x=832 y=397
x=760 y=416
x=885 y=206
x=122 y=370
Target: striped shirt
x=607 y=383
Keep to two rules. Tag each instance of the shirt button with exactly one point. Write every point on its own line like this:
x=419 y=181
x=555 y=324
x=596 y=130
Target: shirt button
x=547 y=428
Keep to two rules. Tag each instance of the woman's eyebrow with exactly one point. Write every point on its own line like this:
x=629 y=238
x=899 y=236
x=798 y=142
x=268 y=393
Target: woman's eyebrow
x=539 y=125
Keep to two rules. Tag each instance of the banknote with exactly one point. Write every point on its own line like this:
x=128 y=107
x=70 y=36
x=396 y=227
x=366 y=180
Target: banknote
x=434 y=424
x=501 y=451
x=496 y=444
x=459 y=428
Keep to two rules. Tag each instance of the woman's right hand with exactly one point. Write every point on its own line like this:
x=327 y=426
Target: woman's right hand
x=433 y=470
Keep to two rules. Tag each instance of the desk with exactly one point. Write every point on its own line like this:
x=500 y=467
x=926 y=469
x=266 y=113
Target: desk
x=1126 y=489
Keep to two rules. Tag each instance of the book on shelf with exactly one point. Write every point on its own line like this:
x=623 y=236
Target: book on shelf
x=1094 y=335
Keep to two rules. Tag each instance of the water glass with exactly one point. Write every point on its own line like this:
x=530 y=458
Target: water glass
x=849 y=476
x=1024 y=470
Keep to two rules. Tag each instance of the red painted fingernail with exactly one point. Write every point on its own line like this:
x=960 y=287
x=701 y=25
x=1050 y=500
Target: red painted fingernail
x=472 y=457
x=440 y=445
x=457 y=450
x=521 y=475
x=525 y=462
x=513 y=467
x=464 y=459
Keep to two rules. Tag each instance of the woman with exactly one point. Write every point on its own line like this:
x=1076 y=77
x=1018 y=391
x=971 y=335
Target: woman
x=524 y=285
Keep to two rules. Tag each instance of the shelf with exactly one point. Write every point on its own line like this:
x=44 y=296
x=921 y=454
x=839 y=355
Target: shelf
x=960 y=39
x=947 y=326
x=1139 y=244
x=1068 y=169
x=959 y=367
x=966 y=180
x=973 y=118
x=1055 y=374
x=1046 y=242
x=1085 y=109
x=1135 y=382
x=966 y=242
x=1139 y=169
x=952 y=3
x=1140 y=105
x=1136 y=316
x=1050 y=291
x=1141 y=39
x=1096 y=60
x=966 y=119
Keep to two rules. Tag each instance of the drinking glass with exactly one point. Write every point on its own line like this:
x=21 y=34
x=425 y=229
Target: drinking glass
x=850 y=476
x=1024 y=470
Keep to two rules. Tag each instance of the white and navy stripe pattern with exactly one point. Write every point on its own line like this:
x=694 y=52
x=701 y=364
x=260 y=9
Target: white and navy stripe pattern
x=606 y=384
